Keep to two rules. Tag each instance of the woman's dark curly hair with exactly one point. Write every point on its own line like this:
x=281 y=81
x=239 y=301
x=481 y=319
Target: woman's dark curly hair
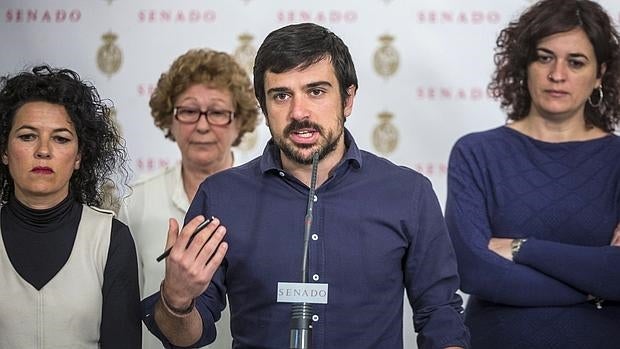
x=102 y=149
x=516 y=49
x=214 y=69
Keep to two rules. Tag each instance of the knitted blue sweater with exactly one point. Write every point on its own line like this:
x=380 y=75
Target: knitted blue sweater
x=565 y=199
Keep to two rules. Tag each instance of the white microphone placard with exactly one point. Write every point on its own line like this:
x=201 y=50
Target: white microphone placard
x=298 y=292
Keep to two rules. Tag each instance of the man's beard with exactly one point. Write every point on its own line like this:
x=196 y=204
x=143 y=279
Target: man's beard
x=327 y=143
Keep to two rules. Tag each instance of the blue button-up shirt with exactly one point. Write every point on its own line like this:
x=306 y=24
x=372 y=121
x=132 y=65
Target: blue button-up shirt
x=377 y=230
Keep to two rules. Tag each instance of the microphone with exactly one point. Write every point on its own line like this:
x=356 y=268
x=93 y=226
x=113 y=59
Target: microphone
x=301 y=315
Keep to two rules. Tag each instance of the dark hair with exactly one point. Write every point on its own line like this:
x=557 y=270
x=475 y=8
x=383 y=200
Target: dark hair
x=101 y=148
x=300 y=46
x=214 y=69
x=516 y=49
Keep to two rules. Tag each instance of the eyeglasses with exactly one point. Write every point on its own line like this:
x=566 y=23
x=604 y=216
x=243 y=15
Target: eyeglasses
x=188 y=115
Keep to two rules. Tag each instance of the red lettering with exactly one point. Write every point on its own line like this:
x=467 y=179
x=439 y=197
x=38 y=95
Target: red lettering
x=31 y=16
x=430 y=169
x=452 y=17
x=61 y=16
x=420 y=92
x=335 y=17
x=163 y=163
x=476 y=94
x=477 y=17
x=165 y=16
x=304 y=16
x=209 y=16
x=432 y=17
x=46 y=17
x=75 y=15
x=447 y=17
x=443 y=168
x=446 y=93
x=350 y=16
x=194 y=16
x=494 y=17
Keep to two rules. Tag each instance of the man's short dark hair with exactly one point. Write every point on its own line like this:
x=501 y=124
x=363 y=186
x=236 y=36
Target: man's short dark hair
x=299 y=46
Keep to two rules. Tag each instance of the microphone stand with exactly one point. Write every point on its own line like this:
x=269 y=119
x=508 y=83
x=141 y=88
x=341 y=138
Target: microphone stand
x=301 y=315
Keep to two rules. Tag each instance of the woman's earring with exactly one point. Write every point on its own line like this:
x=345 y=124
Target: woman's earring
x=600 y=97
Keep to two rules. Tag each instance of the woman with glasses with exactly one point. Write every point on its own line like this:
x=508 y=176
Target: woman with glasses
x=205 y=103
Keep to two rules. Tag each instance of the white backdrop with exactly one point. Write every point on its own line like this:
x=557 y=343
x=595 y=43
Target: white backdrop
x=422 y=65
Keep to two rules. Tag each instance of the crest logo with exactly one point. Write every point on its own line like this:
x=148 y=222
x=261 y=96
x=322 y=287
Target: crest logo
x=385 y=135
x=109 y=55
x=386 y=59
x=245 y=53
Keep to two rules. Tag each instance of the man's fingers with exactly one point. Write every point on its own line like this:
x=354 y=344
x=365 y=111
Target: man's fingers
x=173 y=232
x=210 y=246
x=216 y=259
x=201 y=238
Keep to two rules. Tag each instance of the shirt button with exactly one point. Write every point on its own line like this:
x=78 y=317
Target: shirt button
x=316 y=198
x=315 y=237
x=315 y=277
x=315 y=318
x=281 y=174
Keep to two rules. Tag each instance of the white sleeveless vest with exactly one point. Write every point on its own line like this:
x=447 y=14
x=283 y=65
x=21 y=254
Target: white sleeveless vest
x=66 y=312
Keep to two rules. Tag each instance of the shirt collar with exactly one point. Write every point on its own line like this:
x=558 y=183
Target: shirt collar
x=179 y=196
x=270 y=160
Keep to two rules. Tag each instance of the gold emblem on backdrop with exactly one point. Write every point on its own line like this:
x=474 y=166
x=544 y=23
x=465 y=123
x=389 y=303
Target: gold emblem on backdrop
x=109 y=55
x=386 y=58
x=249 y=140
x=245 y=53
x=385 y=135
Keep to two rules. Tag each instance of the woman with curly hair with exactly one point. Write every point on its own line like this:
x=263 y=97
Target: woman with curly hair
x=68 y=270
x=533 y=206
x=205 y=103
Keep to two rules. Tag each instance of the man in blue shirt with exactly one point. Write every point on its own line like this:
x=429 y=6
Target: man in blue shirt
x=377 y=228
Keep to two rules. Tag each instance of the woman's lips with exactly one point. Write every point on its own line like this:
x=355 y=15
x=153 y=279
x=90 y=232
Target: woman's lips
x=42 y=170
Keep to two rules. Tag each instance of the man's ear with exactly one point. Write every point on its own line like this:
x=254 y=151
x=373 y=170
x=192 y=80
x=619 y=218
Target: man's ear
x=348 y=101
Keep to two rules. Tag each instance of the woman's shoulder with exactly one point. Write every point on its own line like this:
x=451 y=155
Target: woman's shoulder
x=483 y=138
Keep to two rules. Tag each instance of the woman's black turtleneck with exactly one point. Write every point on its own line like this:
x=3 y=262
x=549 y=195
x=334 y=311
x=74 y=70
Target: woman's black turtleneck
x=39 y=243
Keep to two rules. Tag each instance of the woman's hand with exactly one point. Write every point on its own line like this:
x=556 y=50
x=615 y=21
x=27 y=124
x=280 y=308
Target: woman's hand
x=502 y=247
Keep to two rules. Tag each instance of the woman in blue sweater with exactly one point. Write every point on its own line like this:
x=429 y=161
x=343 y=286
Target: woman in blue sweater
x=533 y=206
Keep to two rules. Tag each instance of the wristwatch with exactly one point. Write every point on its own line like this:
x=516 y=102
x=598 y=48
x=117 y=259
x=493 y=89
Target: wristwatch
x=515 y=246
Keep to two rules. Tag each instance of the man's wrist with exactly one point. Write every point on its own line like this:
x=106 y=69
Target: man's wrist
x=178 y=312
